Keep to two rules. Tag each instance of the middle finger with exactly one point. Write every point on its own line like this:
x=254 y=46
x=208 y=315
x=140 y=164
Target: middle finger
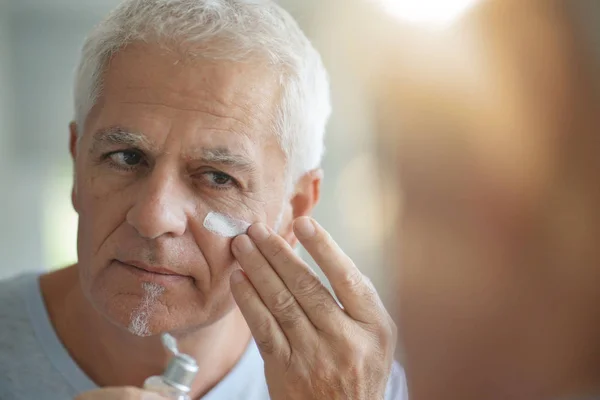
x=273 y=292
x=314 y=298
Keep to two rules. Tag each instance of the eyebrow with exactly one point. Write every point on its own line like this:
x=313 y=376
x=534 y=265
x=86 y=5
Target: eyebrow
x=119 y=136
x=222 y=155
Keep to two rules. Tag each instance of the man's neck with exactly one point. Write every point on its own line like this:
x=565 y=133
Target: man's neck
x=111 y=356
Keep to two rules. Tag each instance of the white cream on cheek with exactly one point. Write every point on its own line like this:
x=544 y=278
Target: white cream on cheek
x=224 y=225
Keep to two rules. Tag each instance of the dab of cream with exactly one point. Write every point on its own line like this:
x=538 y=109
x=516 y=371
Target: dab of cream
x=224 y=225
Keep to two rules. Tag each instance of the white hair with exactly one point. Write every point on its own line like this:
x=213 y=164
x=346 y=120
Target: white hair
x=243 y=28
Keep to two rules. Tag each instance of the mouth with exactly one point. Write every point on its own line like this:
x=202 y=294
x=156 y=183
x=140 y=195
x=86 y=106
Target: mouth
x=149 y=271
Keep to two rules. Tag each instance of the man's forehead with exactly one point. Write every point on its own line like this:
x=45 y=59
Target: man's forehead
x=143 y=83
x=153 y=70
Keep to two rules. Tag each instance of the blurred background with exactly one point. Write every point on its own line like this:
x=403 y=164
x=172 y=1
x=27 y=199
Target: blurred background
x=362 y=43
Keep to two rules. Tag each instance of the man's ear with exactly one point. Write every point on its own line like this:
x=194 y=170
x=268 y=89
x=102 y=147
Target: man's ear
x=307 y=193
x=73 y=139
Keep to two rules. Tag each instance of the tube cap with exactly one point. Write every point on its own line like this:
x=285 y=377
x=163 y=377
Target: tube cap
x=181 y=372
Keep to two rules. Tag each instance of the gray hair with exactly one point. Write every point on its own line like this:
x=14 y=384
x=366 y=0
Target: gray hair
x=247 y=28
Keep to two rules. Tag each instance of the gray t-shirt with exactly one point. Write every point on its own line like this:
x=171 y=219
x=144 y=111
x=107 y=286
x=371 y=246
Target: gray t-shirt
x=35 y=365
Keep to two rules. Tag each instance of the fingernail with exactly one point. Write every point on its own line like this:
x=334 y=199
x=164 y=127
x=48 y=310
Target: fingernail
x=237 y=276
x=243 y=244
x=258 y=232
x=304 y=227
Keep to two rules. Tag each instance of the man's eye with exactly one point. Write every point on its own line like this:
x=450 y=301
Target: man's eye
x=219 y=179
x=126 y=158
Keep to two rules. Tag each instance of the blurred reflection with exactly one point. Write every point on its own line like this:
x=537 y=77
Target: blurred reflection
x=60 y=219
x=493 y=128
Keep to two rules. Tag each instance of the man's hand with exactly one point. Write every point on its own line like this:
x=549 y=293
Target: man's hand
x=121 y=393
x=312 y=347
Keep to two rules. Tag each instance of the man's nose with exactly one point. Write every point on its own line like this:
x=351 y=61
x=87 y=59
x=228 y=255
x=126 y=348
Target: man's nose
x=160 y=207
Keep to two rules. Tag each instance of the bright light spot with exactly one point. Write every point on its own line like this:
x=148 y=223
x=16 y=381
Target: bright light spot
x=428 y=12
x=60 y=220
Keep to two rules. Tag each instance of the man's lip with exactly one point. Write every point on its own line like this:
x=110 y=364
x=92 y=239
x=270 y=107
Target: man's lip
x=151 y=269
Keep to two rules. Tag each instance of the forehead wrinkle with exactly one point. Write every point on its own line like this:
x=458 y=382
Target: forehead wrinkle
x=205 y=109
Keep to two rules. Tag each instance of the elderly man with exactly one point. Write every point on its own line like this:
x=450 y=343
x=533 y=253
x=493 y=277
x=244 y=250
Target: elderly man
x=194 y=119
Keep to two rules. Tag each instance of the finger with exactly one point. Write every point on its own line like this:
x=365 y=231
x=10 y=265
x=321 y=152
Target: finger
x=119 y=393
x=314 y=298
x=267 y=333
x=354 y=291
x=271 y=289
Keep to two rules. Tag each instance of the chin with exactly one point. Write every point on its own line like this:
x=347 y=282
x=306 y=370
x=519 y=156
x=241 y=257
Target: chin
x=149 y=309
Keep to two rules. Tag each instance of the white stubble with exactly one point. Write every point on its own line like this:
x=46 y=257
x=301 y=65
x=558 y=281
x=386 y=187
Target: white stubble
x=140 y=317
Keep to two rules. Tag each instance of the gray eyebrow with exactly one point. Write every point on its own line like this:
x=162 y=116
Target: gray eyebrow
x=222 y=155
x=119 y=136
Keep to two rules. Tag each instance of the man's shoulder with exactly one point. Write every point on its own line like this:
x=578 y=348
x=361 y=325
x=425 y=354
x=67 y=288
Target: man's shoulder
x=25 y=370
x=13 y=304
x=17 y=334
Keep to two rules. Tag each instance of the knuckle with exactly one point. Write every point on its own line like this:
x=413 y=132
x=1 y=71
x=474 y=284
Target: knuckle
x=300 y=370
x=307 y=284
x=326 y=368
x=384 y=332
x=381 y=345
x=347 y=338
x=353 y=369
x=264 y=336
x=355 y=347
x=353 y=363
x=282 y=302
x=325 y=308
x=353 y=279
x=290 y=322
x=360 y=351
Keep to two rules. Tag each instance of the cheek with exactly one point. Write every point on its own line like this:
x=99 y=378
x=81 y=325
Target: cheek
x=101 y=212
x=216 y=251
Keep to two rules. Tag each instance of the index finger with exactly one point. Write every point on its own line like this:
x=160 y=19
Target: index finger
x=354 y=290
x=120 y=393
